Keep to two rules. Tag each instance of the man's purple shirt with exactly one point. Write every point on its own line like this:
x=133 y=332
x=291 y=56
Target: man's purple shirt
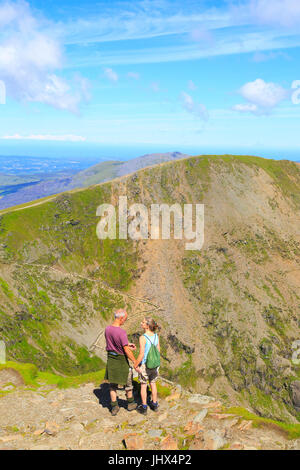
x=116 y=339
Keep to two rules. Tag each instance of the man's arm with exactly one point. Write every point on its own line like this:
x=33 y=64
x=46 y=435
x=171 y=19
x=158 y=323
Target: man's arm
x=142 y=351
x=129 y=353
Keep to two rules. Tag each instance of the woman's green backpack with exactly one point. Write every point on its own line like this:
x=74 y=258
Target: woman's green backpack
x=153 y=357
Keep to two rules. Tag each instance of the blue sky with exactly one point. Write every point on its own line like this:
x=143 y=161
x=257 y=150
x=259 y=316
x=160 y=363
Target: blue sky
x=159 y=74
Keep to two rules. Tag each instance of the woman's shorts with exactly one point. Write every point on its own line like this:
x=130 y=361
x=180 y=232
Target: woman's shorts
x=148 y=375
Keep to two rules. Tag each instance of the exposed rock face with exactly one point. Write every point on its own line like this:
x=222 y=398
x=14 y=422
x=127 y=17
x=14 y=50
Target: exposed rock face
x=295 y=388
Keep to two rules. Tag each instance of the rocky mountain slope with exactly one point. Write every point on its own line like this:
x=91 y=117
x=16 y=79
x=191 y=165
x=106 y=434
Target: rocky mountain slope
x=79 y=418
x=229 y=313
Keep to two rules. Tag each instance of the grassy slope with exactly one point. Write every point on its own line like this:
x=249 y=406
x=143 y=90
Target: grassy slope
x=33 y=304
x=101 y=172
x=34 y=378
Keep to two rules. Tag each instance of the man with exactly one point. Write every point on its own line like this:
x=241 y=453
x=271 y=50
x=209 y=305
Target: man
x=119 y=351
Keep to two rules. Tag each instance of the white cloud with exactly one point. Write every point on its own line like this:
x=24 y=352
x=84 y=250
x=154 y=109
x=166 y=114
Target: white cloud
x=197 y=109
x=134 y=75
x=155 y=87
x=111 y=75
x=245 y=108
x=130 y=21
x=261 y=96
x=265 y=56
x=29 y=59
x=60 y=138
x=202 y=36
x=192 y=85
x=276 y=12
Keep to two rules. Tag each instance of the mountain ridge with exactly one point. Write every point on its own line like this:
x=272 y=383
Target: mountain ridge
x=234 y=292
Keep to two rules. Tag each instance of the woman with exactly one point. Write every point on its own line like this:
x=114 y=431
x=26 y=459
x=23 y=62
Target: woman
x=147 y=375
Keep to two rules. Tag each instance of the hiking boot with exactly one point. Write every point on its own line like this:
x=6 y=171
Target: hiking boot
x=115 y=410
x=131 y=406
x=142 y=410
x=154 y=406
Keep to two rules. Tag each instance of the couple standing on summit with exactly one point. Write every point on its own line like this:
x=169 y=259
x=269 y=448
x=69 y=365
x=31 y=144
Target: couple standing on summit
x=120 y=352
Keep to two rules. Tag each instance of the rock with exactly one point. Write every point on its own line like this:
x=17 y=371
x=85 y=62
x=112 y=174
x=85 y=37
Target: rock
x=169 y=443
x=134 y=420
x=38 y=432
x=51 y=428
x=133 y=442
x=213 y=440
x=174 y=396
x=76 y=427
x=197 y=444
x=55 y=404
x=8 y=388
x=41 y=447
x=10 y=376
x=10 y=438
x=233 y=423
x=295 y=389
x=200 y=399
x=245 y=425
x=162 y=417
x=236 y=446
x=200 y=416
x=221 y=416
x=192 y=428
x=155 y=432
x=215 y=405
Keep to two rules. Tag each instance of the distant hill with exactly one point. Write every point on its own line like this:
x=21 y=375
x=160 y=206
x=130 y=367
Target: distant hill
x=98 y=173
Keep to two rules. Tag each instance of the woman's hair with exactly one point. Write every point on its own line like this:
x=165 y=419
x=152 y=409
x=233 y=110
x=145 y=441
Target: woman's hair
x=153 y=326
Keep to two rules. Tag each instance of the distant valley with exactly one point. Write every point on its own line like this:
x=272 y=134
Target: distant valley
x=18 y=188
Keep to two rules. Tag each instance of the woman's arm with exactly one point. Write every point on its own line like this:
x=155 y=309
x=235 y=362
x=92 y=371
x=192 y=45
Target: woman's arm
x=142 y=351
x=158 y=345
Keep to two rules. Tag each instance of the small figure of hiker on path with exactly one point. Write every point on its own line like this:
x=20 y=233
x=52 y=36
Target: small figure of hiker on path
x=119 y=353
x=148 y=362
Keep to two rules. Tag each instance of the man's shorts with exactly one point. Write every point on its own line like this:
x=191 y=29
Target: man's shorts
x=148 y=375
x=128 y=386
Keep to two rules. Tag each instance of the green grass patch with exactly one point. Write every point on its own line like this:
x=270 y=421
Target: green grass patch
x=35 y=378
x=291 y=431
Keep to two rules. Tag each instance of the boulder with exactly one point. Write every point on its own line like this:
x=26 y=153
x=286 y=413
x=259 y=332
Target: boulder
x=200 y=416
x=200 y=399
x=133 y=441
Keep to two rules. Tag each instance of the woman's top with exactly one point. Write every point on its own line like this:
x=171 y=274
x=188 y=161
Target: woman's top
x=149 y=340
